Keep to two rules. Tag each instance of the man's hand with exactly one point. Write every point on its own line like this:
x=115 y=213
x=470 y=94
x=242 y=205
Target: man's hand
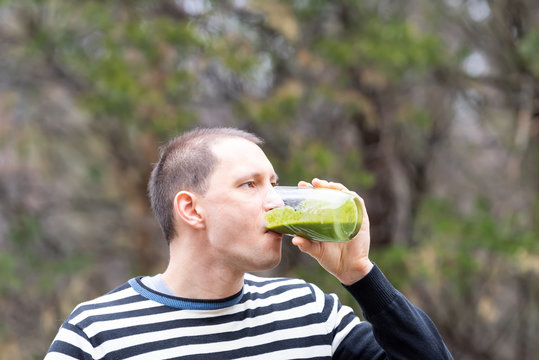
x=347 y=261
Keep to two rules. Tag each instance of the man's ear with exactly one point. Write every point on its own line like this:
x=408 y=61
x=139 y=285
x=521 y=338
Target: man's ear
x=185 y=207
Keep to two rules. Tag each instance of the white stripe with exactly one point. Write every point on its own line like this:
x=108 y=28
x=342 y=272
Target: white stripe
x=296 y=353
x=339 y=337
x=98 y=326
x=310 y=330
x=74 y=339
x=263 y=288
x=113 y=310
x=335 y=318
x=275 y=299
x=321 y=303
x=108 y=298
x=58 y=356
x=129 y=291
x=345 y=310
x=320 y=298
x=332 y=318
x=132 y=340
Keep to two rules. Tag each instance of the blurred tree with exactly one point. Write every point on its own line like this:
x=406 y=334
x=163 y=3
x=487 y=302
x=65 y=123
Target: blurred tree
x=421 y=107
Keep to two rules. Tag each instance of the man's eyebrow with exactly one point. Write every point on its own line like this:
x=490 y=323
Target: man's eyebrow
x=254 y=175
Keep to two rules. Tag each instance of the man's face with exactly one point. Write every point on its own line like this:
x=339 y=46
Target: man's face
x=240 y=191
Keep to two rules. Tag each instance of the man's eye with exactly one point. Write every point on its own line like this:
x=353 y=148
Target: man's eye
x=249 y=184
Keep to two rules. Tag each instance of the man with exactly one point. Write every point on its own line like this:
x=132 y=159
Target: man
x=210 y=191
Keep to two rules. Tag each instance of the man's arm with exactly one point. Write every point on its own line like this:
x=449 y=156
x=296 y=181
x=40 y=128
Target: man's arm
x=401 y=330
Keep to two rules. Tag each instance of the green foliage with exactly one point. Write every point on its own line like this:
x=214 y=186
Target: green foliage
x=456 y=245
x=309 y=10
x=8 y=272
x=28 y=261
x=452 y=247
x=317 y=159
x=280 y=108
x=341 y=85
x=391 y=48
x=24 y=230
x=529 y=49
x=393 y=261
x=127 y=67
x=479 y=230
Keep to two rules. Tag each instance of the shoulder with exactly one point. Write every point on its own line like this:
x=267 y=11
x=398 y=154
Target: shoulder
x=259 y=283
x=120 y=299
x=282 y=287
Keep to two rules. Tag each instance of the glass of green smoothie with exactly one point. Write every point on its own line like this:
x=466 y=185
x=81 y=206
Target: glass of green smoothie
x=316 y=213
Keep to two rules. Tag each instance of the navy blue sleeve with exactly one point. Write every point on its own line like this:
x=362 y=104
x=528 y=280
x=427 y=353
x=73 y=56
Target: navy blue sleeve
x=395 y=328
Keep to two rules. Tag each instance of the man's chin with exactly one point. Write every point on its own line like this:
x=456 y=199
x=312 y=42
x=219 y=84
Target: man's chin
x=267 y=264
x=267 y=272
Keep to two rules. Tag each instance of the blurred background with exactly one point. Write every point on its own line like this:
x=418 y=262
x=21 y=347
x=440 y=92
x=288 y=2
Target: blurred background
x=429 y=110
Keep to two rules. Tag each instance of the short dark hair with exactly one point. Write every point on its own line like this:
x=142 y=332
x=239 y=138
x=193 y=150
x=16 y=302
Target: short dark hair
x=185 y=163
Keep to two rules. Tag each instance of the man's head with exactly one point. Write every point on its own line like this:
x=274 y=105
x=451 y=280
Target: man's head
x=186 y=163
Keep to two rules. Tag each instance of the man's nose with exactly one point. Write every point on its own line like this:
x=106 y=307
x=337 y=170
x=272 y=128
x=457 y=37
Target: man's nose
x=273 y=200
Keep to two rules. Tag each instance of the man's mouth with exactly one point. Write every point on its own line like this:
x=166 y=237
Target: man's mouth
x=272 y=232
x=265 y=230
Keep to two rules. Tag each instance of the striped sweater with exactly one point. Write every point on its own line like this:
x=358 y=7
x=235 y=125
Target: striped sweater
x=277 y=318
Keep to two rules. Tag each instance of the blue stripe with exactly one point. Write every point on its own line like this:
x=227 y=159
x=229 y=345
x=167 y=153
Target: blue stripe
x=179 y=303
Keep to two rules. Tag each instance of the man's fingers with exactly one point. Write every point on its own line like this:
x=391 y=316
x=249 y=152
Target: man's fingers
x=323 y=184
x=304 y=184
x=310 y=247
x=328 y=184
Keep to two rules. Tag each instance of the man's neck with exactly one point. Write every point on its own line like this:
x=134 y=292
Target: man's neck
x=192 y=276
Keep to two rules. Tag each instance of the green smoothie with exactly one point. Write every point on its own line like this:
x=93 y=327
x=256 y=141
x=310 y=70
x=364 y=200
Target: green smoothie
x=313 y=219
